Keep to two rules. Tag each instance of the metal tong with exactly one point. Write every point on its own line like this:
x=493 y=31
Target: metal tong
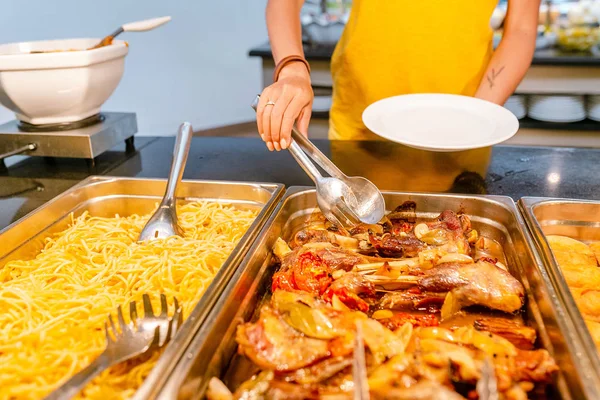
x=345 y=201
x=487 y=386
x=359 y=367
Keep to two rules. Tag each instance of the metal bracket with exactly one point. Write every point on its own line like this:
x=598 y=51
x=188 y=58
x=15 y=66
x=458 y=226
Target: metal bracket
x=20 y=150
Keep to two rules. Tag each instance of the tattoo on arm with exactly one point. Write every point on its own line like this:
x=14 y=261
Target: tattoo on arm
x=491 y=78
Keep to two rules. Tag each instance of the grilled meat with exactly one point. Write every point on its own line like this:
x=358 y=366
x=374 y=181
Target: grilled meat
x=416 y=320
x=319 y=372
x=523 y=337
x=326 y=287
x=397 y=246
x=403 y=218
x=449 y=220
x=306 y=236
x=457 y=229
x=350 y=289
x=534 y=366
x=274 y=345
x=481 y=283
x=333 y=257
x=338 y=258
x=309 y=274
x=424 y=390
x=413 y=298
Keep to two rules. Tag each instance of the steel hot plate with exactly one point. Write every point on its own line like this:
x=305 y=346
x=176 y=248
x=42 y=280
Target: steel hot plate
x=79 y=142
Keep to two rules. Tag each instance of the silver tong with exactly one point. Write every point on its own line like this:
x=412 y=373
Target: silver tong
x=359 y=367
x=487 y=386
x=345 y=201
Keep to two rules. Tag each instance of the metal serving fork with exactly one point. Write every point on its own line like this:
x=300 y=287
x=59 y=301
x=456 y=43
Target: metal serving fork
x=130 y=340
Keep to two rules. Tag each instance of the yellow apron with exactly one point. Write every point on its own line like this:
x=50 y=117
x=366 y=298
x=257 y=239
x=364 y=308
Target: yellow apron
x=393 y=47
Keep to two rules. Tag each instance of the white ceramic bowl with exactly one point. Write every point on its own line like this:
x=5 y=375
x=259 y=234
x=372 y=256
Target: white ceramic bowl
x=57 y=87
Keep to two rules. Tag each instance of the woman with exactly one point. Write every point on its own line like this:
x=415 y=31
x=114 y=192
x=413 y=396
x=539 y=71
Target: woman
x=393 y=47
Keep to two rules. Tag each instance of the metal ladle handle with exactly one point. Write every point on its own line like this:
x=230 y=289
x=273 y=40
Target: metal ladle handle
x=301 y=158
x=180 y=155
x=312 y=150
x=304 y=161
x=316 y=154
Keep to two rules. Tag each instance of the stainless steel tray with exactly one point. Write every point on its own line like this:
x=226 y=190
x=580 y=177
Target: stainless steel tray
x=579 y=219
x=107 y=196
x=214 y=346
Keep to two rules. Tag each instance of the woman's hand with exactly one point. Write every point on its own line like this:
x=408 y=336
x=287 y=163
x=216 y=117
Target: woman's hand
x=293 y=98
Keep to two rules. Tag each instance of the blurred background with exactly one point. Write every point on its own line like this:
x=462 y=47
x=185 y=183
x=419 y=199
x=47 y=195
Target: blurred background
x=194 y=68
x=207 y=64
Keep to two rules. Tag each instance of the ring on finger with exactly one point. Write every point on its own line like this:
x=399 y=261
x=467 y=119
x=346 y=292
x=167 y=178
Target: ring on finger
x=270 y=103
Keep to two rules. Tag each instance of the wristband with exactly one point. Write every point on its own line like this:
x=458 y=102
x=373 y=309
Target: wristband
x=285 y=61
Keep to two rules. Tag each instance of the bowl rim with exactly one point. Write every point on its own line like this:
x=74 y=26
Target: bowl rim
x=65 y=59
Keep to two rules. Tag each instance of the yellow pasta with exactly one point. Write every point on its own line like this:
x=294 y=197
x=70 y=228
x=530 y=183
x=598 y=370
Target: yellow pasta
x=53 y=308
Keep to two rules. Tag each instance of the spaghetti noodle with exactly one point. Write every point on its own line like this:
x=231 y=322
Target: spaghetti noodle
x=53 y=308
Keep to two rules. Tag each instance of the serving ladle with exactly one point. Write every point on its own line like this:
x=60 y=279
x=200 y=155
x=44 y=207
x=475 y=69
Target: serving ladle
x=343 y=200
x=163 y=222
x=139 y=26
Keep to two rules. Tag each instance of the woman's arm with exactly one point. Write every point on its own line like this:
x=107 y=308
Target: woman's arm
x=292 y=93
x=513 y=57
x=285 y=31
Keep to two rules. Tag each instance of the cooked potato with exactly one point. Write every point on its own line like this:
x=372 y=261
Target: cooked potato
x=579 y=265
x=596 y=249
x=581 y=277
x=574 y=259
x=594 y=328
x=564 y=243
x=588 y=302
x=571 y=251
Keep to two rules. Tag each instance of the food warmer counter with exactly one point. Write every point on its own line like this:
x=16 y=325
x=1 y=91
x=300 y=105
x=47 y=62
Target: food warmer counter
x=108 y=196
x=212 y=353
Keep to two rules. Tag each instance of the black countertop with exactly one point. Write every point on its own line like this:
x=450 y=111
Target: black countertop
x=32 y=181
x=541 y=57
x=511 y=171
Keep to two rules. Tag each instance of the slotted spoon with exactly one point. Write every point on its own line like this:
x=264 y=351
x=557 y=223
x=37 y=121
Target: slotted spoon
x=129 y=341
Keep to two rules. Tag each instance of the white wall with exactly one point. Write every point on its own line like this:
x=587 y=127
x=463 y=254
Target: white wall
x=194 y=68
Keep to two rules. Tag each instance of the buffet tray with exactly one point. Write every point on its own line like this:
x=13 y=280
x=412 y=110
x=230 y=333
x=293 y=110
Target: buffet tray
x=213 y=349
x=107 y=196
x=579 y=219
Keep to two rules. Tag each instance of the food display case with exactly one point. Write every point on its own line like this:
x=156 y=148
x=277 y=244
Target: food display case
x=212 y=352
x=577 y=219
x=108 y=196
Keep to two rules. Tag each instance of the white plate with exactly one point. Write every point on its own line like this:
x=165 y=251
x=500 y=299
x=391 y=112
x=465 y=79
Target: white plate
x=440 y=122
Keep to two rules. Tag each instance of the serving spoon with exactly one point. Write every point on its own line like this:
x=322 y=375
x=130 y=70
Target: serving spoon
x=163 y=222
x=139 y=26
x=343 y=200
x=125 y=341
